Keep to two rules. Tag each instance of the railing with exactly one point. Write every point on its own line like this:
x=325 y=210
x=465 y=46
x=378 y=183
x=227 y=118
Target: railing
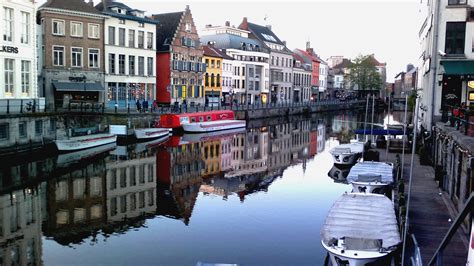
x=415 y=258
x=457 y=117
x=467 y=209
x=15 y=106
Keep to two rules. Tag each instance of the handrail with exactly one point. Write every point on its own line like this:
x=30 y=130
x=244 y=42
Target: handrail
x=438 y=255
x=416 y=258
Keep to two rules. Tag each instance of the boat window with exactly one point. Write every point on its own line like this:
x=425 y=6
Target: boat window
x=208 y=118
x=201 y=119
x=193 y=119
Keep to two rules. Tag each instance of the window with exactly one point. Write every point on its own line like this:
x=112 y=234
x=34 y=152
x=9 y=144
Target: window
x=22 y=129
x=39 y=127
x=141 y=36
x=9 y=76
x=76 y=57
x=457 y=2
x=188 y=27
x=25 y=28
x=58 y=56
x=218 y=63
x=76 y=29
x=131 y=65
x=149 y=40
x=122 y=21
x=94 y=58
x=141 y=66
x=131 y=38
x=150 y=66
x=121 y=37
x=141 y=25
x=121 y=64
x=58 y=27
x=8 y=25
x=111 y=35
x=25 y=76
x=93 y=31
x=455 y=37
x=111 y=63
x=4 y=131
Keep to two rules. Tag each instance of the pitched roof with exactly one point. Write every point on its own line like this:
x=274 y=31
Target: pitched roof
x=72 y=5
x=166 y=28
x=264 y=33
x=209 y=50
x=344 y=64
x=374 y=61
x=309 y=58
x=112 y=3
x=230 y=41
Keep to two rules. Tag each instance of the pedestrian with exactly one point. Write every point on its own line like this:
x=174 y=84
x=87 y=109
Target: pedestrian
x=139 y=107
x=185 y=105
x=145 y=106
x=154 y=107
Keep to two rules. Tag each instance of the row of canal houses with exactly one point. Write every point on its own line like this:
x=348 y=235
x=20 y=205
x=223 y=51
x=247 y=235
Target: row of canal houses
x=114 y=54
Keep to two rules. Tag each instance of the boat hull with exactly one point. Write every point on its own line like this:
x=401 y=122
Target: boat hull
x=203 y=127
x=151 y=133
x=81 y=143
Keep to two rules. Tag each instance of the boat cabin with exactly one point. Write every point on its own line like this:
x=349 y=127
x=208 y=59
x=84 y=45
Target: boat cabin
x=176 y=120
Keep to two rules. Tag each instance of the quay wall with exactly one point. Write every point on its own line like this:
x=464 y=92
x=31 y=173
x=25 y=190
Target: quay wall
x=25 y=132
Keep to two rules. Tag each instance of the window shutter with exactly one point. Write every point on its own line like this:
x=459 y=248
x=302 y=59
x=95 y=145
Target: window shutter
x=203 y=67
x=189 y=66
x=180 y=91
x=196 y=91
x=180 y=65
x=183 y=41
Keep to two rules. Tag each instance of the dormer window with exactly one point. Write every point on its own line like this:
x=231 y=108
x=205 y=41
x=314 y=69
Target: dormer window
x=188 y=27
x=122 y=21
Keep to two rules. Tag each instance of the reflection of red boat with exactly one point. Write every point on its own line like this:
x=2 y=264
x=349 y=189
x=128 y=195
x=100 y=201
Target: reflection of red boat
x=176 y=120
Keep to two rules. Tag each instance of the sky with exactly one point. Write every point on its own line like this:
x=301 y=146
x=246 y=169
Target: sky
x=386 y=28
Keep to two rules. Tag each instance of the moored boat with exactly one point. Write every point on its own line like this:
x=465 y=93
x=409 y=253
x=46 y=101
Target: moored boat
x=150 y=133
x=216 y=135
x=84 y=142
x=360 y=229
x=175 y=121
x=347 y=153
x=66 y=159
x=202 y=127
x=370 y=177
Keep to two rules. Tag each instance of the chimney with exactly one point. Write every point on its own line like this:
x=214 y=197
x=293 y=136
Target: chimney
x=269 y=27
x=91 y=3
x=308 y=45
x=244 y=25
x=227 y=23
x=104 y=5
x=284 y=43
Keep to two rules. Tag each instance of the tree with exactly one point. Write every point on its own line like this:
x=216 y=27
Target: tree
x=363 y=75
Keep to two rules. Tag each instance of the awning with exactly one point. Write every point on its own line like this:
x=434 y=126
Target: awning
x=458 y=67
x=78 y=86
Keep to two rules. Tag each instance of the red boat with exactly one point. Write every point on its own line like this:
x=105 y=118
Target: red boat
x=177 y=120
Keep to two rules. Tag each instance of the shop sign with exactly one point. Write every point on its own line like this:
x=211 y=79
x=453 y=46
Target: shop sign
x=77 y=79
x=470 y=84
x=9 y=49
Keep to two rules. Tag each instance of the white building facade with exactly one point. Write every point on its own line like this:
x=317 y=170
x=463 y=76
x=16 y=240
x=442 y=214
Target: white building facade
x=446 y=67
x=18 y=54
x=323 y=76
x=130 y=55
x=301 y=81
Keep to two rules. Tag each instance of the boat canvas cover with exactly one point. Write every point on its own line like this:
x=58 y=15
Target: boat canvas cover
x=371 y=172
x=348 y=148
x=364 y=221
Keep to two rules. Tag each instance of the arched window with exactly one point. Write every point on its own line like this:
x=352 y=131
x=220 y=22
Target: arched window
x=207 y=80
x=218 y=80
x=212 y=80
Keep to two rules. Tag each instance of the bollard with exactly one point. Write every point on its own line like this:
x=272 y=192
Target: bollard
x=21 y=106
x=128 y=108
x=8 y=106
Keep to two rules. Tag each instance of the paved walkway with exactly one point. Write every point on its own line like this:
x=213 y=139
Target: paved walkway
x=429 y=214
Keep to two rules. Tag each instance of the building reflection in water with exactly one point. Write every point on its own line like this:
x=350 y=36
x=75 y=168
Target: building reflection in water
x=72 y=202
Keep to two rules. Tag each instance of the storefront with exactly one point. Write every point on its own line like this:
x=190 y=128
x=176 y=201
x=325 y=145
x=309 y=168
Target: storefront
x=457 y=82
x=76 y=91
x=124 y=94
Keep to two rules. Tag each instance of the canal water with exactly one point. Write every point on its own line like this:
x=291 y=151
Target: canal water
x=255 y=197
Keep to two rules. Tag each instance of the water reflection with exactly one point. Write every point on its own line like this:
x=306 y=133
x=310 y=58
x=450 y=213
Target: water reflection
x=80 y=198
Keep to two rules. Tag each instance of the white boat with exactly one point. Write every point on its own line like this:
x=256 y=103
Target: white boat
x=339 y=174
x=151 y=133
x=143 y=146
x=201 y=137
x=347 y=153
x=66 y=159
x=202 y=127
x=360 y=229
x=370 y=177
x=84 y=142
